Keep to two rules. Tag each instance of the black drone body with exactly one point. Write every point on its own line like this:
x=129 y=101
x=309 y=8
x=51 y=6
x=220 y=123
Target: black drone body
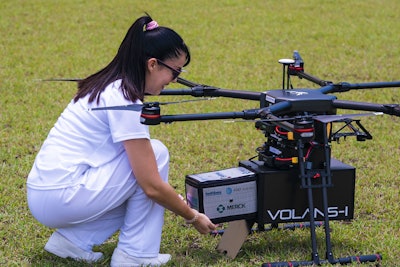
x=297 y=124
x=300 y=100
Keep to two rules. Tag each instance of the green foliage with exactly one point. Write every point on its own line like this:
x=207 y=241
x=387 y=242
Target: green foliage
x=234 y=44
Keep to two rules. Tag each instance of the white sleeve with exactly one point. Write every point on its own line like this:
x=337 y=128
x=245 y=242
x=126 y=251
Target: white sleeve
x=124 y=124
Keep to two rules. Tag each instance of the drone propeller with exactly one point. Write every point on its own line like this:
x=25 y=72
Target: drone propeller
x=139 y=107
x=187 y=83
x=277 y=119
x=321 y=118
x=61 y=80
x=132 y=107
x=180 y=80
x=339 y=117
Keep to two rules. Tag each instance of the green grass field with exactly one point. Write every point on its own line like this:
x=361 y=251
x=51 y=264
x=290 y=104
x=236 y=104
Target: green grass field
x=234 y=45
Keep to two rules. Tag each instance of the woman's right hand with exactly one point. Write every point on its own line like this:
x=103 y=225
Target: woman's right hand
x=203 y=224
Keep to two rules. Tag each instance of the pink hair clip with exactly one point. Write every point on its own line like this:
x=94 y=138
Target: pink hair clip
x=151 y=25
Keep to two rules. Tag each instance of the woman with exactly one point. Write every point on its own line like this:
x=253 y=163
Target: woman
x=99 y=172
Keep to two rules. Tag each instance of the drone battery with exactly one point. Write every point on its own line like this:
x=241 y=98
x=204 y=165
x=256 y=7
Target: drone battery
x=224 y=195
x=281 y=199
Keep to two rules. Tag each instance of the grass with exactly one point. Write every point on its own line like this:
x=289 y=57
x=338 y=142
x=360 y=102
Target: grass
x=235 y=45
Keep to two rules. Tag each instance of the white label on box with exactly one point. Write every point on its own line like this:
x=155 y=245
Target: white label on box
x=222 y=174
x=230 y=200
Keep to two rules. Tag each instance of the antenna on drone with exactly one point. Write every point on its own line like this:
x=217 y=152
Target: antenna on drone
x=285 y=78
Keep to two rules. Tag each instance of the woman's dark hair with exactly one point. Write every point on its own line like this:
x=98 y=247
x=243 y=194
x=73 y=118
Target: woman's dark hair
x=129 y=64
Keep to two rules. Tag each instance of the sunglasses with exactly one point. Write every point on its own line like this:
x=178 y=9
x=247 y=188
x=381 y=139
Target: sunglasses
x=175 y=72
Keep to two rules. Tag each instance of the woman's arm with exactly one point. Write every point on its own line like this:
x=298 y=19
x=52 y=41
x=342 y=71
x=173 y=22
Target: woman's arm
x=141 y=157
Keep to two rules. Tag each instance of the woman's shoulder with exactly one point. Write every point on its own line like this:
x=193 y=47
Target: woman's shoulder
x=113 y=94
x=114 y=86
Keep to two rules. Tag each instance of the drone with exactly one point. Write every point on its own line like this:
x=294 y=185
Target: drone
x=294 y=164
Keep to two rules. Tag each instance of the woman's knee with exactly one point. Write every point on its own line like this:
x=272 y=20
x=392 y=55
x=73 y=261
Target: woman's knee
x=162 y=157
x=160 y=150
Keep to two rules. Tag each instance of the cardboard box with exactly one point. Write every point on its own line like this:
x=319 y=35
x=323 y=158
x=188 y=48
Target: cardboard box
x=223 y=195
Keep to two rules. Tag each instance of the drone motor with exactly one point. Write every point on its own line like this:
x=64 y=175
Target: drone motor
x=151 y=114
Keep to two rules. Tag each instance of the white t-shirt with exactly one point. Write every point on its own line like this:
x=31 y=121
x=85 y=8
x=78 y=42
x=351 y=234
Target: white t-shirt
x=83 y=139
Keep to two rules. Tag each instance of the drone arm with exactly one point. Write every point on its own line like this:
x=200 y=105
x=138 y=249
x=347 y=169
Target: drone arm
x=245 y=114
x=374 y=85
x=308 y=77
x=344 y=86
x=274 y=109
x=154 y=118
x=390 y=109
x=249 y=95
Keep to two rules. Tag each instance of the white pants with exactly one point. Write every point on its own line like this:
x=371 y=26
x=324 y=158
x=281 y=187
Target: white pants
x=107 y=200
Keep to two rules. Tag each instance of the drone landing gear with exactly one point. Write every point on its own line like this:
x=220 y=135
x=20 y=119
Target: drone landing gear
x=342 y=261
x=237 y=231
x=307 y=174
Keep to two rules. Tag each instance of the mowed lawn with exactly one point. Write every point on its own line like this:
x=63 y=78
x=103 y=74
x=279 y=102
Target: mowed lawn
x=234 y=45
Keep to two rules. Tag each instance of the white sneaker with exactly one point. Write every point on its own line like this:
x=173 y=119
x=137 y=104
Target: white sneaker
x=62 y=247
x=121 y=259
